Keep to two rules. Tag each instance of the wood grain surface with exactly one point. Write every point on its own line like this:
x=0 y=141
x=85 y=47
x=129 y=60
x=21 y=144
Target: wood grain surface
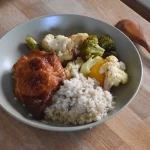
x=139 y=8
x=130 y=130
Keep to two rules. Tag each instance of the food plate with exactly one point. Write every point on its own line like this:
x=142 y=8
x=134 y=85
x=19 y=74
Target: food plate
x=12 y=47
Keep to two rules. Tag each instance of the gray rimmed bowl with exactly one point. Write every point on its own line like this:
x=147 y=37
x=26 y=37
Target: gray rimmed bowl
x=12 y=47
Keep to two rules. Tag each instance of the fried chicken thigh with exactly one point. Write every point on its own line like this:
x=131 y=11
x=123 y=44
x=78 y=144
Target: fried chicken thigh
x=37 y=76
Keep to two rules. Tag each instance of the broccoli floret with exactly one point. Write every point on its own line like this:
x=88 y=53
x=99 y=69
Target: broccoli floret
x=106 y=54
x=108 y=44
x=90 y=48
x=31 y=43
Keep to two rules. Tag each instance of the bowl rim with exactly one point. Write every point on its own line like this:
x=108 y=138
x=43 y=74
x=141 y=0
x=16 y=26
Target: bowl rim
x=81 y=127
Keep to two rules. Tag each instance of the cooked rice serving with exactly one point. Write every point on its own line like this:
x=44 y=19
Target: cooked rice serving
x=80 y=101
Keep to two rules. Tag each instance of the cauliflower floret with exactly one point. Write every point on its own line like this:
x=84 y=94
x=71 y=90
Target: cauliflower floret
x=47 y=40
x=59 y=45
x=72 y=68
x=63 y=46
x=111 y=59
x=122 y=66
x=68 y=70
x=78 y=38
x=66 y=54
x=114 y=72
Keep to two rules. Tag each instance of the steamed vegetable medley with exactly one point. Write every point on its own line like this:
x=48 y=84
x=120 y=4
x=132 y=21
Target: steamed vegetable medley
x=93 y=56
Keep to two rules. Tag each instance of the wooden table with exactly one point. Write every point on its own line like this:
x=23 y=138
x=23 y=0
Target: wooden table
x=128 y=130
x=137 y=6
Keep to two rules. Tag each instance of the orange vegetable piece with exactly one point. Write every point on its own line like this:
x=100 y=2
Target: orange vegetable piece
x=95 y=72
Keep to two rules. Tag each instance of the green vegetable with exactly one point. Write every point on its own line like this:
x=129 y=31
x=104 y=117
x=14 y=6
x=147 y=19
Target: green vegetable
x=90 y=47
x=108 y=44
x=86 y=67
x=31 y=43
x=106 y=54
